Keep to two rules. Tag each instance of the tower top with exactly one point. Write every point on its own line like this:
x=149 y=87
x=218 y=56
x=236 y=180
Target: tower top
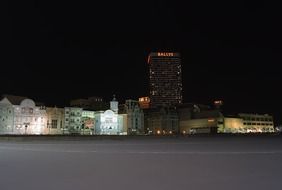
x=114 y=97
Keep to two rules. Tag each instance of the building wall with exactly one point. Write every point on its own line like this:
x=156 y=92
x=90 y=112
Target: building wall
x=29 y=119
x=257 y=122
x=135 y=117
x=88 y=122
x=73 y=120
x=124 y=124
x=55 y=120
x=233 y=125
x=165 y=80
x=108 y=123
x=244 y=123
x=197 y=125
x=161 y=121
x=6 y=117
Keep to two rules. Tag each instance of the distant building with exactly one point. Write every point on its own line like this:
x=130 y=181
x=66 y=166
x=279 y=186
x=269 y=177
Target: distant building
x=161 y=121
x=203 y=119
x=73 y=121
x=29 y=118
x=134 y=116
x=87 y=122
x=144 y=102
x=6 y=117
x=55 y=120
x=257 y=122
x=197 y=118
x=165 y=79
x=91 y=103
x=109 y=122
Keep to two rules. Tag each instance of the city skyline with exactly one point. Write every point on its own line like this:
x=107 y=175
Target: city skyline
x=57 y=53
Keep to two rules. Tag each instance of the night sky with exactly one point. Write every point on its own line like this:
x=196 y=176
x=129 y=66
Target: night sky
x=54 y=52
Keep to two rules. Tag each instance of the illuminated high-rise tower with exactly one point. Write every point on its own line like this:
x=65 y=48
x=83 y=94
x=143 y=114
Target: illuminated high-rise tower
x=165 y=79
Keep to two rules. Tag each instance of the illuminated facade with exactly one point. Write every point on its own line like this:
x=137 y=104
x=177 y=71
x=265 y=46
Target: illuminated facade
x=73 y=120
x=88 y=122
x=165 y=79
x=24 y=117
x=29 y=118
x=6 y=117
x=55 y=120
x=199 y=119
x=144 y=102
x=257 y=122
x=109 y=122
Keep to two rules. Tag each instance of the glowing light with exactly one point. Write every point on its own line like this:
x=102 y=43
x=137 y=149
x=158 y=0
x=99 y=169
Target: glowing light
x=144 y=99
x=165 y=54
x=210 y=120
x=218 y=102
x=158 y=132
x=149 y=58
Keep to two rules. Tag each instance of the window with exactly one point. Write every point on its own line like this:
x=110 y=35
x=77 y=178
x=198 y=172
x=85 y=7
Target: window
x=54 y=124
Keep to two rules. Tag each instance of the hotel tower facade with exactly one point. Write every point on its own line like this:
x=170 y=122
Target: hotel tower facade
x=165 y=79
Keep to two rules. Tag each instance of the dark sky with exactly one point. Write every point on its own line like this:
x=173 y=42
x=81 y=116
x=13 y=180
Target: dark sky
x=55 y=51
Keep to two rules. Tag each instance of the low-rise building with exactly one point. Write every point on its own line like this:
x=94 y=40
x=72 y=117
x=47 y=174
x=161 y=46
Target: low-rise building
x=134 y=116
x=6 y=117
x=91 y=103
x=199 y=119
x=109 y=122
x=29 y=118
x=161 y=121
x=73 y=120
x=55 y=120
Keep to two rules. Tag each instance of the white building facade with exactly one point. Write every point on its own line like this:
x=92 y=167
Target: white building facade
x=29 y=118
x=6 y=117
